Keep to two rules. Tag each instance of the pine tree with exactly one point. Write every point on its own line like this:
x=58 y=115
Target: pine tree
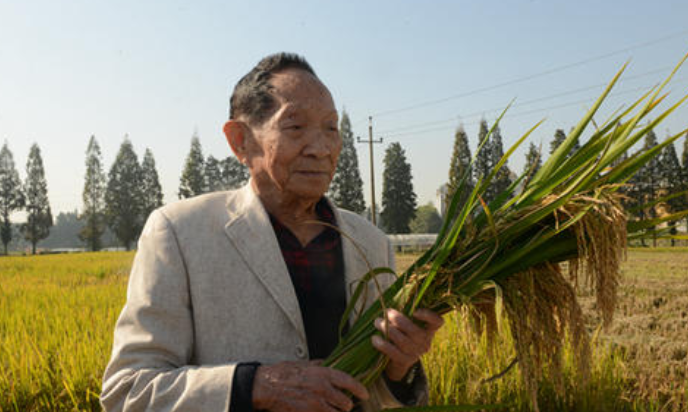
x=213 y=175
x=533 y=160
x=346 y=189
x=483 y=160
x=39 y=218
x=11 y=194
x=502 y=180
x=234 y=173
x=151 y=190
x=192 y=182
x=460 y=166
x=559 y=137
x=123 y=197
x=669 y=180
x=93 y=196
x=398 y=198
x=646 y=181
x=492 y=151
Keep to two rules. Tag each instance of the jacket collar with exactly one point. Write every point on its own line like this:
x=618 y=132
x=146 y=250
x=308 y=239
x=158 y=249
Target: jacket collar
x=251 y=232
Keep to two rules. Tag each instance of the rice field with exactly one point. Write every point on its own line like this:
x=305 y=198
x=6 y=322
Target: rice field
x=57 y=314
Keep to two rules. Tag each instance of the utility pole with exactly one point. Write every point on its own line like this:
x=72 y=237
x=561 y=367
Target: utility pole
x=370 y=142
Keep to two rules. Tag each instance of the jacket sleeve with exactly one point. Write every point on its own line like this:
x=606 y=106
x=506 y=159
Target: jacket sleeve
x=154 y=337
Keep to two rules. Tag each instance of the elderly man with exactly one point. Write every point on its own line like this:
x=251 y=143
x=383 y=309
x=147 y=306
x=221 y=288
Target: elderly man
x=235 y=296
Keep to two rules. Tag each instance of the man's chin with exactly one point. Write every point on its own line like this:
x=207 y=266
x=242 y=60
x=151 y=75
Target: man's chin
x=310 y=191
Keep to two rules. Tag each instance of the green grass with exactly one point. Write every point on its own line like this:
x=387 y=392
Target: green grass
x=57 y=315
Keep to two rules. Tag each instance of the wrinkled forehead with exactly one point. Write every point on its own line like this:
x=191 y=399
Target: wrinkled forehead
x=296 y=89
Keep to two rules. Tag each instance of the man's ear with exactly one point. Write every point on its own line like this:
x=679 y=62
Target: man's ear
x=235 y=132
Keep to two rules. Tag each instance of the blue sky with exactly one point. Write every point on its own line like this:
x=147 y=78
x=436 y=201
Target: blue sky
x=158 y=70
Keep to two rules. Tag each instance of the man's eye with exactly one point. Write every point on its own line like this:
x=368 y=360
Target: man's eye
x=295 y=127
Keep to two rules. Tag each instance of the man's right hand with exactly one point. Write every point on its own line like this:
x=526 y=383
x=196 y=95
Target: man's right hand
x=304 y=386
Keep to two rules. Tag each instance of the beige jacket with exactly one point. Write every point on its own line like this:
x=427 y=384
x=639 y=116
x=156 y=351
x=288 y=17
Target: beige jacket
x=209 y=289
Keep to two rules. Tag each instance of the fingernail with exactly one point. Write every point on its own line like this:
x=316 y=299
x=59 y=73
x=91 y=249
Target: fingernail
x=377 y=341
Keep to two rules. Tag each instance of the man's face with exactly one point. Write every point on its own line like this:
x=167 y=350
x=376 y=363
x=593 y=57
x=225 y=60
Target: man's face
x=293 y=154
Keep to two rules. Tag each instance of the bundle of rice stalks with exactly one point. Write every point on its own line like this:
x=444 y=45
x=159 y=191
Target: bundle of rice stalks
x=569 y=211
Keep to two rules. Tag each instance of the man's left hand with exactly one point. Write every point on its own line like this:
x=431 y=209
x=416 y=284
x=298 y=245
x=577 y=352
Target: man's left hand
x=407 y=341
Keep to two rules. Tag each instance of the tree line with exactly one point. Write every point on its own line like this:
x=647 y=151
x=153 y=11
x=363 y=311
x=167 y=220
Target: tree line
x=664 y=177
x=121 y=200
x=124 y=200
x=118 y=202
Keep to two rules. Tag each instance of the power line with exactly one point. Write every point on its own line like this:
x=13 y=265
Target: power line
x=524 y=103
x=533 y=76
x=434 y=129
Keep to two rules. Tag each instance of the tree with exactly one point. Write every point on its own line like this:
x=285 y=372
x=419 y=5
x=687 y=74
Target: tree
x=213 y=175
x=11 y=194
x=646 y=181
x=346 y=189
x=533 y=160
x=123 y=197
x=483 y=160
x=151 y=190
x=192 y=182
x=234 y=173
x=486 y=160
x=502 y=180
x=427 y=220
x=559 y=137
x=459 y=166
x=398 y=198
x=39 y=218
x=93 y=196
x=670 y=180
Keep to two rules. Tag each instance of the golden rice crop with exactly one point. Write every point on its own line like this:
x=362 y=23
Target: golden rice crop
x=57 y=314
x=570 y=210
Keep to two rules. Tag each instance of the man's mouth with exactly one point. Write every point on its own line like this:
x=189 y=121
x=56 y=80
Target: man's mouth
x=313 y=172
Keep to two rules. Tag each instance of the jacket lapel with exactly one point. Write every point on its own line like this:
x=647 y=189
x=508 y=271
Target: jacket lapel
x=354 y=252
x=250 y=231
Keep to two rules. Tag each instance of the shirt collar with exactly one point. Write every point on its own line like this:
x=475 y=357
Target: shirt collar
x=324 y=213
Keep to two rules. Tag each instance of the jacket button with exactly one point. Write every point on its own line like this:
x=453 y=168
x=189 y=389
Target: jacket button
x=300 y=352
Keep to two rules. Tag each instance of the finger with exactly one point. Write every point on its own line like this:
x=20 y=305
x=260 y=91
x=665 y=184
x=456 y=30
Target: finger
x=411 y=346
x=319 y=386
x=432 y=320
x=337 y=398
x=419 y=337
x=319 y=405
x=406 y=325
x=345 y=381
x=395 y=355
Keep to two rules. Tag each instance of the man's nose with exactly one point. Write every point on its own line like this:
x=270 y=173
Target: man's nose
x=319 y=145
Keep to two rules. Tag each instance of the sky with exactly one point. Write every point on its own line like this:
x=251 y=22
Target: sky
x=159 y=71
